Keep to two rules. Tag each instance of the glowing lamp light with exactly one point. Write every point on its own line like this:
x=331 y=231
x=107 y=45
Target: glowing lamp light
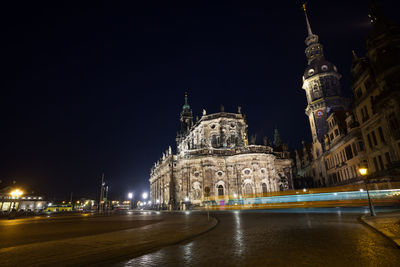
x=363 y=171
x=16 y=193
x=235 y=195
x=144 y=195
x=130 y=195
x=157 y=201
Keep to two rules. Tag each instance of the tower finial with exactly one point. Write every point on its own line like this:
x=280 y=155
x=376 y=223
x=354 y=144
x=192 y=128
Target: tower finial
x=186 y=105
x=307 y=21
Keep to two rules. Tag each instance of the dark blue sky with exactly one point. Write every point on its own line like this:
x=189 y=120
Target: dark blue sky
x=98 y=86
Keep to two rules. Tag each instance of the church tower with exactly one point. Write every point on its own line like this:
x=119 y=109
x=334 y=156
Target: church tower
x=186 y=117
x=321 y=81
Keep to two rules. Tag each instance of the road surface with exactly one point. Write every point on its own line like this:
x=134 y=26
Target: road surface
x=297 y=237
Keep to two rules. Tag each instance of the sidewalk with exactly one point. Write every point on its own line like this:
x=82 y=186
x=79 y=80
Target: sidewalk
x=108 y=248
x=388 y=224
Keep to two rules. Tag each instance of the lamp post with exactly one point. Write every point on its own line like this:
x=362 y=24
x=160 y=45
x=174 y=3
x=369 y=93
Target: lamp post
x=130 y=196
x=144 y=197
x=364 y=171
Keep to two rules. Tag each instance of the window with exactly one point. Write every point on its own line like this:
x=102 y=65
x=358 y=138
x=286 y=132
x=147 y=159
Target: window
x=220 y=190
x=374 y=138
x=214 y=142
x=233 y=139
x=349 y=153
x=381 y=134
x=361 y=145
x=206 y=191
x=376 y=164
x=372 y=104
x=331 y=136
x=354 y=149
x=248 y=189
x=366 y=112
x=336 y=132
x=380 y=162
x=264 y=188
x=324 y=67
x=394 y=126
x=387 y=156
x=369 y=141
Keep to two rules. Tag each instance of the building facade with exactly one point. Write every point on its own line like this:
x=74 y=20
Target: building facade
x=367 y=132
x=214 y=162
x=376 y=89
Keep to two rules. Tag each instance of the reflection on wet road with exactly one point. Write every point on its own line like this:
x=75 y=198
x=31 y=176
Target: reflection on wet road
x=311 y=237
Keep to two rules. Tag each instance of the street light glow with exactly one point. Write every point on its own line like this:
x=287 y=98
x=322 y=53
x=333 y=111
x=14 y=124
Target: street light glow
x=16 y=193
x=144 y=195
x=130 y=195
x=363 y=171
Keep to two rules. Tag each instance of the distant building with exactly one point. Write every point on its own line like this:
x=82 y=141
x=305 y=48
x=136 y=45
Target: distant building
x=365 y=132
x=9 y=202
x=214 y=161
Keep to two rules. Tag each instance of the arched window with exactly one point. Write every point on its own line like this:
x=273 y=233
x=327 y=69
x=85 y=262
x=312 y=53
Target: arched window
x=214 y=142
x=220 y=190
x=248 y=189
x=264 y=188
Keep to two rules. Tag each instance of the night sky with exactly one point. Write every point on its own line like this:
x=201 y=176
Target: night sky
x=98 y=86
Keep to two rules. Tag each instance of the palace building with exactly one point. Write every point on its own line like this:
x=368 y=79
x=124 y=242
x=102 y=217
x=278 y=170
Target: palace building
x=214 y=162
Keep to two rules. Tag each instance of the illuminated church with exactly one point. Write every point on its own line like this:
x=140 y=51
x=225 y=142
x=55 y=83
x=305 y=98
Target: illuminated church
x=215 y=161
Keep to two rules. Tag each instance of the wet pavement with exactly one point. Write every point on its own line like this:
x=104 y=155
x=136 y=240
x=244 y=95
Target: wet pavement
x=387 y=224
x=298 y=237
x=96 y=240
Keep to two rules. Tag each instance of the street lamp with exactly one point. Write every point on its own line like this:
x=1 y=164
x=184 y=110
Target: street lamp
x=364 y=171
x=144 y=195
x=130 y=196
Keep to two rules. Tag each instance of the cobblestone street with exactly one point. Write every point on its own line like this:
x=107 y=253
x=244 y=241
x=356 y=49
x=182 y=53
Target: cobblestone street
x=314 y=237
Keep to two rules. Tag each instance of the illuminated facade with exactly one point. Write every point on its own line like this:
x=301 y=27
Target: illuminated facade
x=376 y=89
x=368 y=133
x=215 y=162
x=321 y=82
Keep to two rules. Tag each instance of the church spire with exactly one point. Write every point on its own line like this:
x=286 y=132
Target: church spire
x=311 y=37
x=307 y=21
x=186 y=116
x=186 y=105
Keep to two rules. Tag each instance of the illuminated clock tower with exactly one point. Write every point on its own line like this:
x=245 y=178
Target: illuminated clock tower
x=321 y=81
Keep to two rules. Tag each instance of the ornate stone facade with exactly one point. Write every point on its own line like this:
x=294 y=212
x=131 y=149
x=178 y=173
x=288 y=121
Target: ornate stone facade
x=367 y=133
x=214 y=162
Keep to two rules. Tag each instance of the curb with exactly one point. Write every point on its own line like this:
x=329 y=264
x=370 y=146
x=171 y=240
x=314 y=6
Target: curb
x=396 y=241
